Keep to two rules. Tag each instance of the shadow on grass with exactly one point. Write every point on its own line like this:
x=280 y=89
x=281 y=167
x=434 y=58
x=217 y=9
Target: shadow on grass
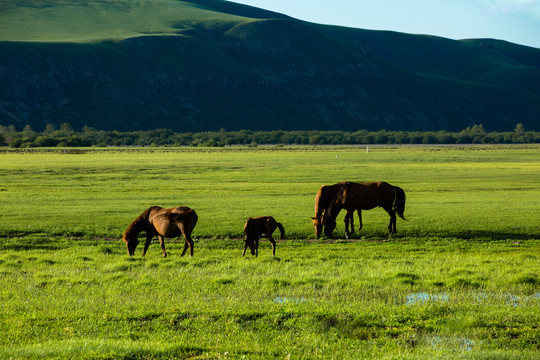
x=21 y=241
x=483 y=235
x=478 y=235
x=104 y=349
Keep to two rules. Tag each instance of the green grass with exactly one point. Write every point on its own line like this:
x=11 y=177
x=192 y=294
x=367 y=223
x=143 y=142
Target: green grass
x=461 y=279
x=88 y=21
x=451 y=191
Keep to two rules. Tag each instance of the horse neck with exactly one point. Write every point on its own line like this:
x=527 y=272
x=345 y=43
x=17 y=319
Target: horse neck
x=318 y=208
x=325 y=194
x=331 y=212
x=135 y=227
x=139 y=224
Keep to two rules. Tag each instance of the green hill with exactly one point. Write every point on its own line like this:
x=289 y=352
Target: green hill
x=209 y=64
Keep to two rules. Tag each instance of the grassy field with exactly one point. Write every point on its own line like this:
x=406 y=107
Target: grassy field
x=461 y=279
x=87 y=21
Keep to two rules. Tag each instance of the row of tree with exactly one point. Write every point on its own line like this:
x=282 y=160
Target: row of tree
x=65 y=136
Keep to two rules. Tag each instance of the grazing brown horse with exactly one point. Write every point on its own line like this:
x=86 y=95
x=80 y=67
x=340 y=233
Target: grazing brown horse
x=258 y=227
x=324 y=197
x=364 y=196
x=165 y=223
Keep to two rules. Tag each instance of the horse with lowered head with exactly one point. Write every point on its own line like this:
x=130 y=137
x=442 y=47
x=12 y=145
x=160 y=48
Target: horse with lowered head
x=364 y=196
x=258 y=227
x=165 y=223
x=324 y=197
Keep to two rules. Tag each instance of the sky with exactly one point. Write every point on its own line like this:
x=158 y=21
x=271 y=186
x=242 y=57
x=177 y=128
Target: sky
x=517 y=21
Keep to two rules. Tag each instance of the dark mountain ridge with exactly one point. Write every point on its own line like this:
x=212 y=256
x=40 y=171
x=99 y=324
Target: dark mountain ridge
x=216 y=64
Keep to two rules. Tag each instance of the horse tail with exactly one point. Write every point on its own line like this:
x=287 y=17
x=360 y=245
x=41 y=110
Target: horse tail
x=189 y=215
x=399 y=201
x=281 y=230
x=193 y=215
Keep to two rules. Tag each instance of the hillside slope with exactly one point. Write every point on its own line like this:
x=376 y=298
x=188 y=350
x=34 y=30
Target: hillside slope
x=209 y=64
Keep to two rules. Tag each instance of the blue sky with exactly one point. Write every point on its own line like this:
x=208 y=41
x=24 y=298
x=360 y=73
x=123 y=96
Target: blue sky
x=516 y=21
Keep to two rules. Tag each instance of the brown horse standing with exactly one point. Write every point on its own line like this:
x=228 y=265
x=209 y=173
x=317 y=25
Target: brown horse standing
x=258 y=227
x=165 y=223
x=364 y=196
x=324 y=197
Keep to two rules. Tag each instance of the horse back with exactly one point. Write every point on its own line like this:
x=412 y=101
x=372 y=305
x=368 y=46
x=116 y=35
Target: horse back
x=254 y=225
x=165 y=221
x=368 y=195
x=257 y=226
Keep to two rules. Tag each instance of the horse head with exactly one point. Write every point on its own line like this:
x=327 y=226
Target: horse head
x=330 y=215
x=131 y=242
x=329 y=226
x=251 y=244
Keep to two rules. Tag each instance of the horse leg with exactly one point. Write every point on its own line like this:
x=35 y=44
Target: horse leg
x=346 y=220
x=360 y=219
x=245 y=248
x=162 y=243
x=186 y=231
x=351 y=217
x=257 y=246
x=271 y=239
x=349 y=223
x=147 y=243
x=188 y=243
x=392 y=223
x=191 y=247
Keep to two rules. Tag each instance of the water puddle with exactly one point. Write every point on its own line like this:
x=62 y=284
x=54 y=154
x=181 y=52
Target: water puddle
x=481 y=297
x=422 y=298
x=285 y=300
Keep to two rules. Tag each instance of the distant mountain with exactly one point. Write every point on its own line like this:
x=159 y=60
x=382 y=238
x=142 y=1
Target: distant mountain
x=202 y=65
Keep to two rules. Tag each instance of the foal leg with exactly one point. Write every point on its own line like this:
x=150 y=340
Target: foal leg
x=273 y=242
x=162 y=243
x=346 y=220
x=256 y=246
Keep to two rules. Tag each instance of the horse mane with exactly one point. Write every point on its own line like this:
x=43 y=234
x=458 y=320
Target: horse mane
x=336 y=203
x=141 y=220
x=318 y=200
x=325 y=197
x=333 y=208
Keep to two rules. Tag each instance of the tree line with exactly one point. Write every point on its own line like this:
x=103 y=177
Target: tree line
x=66 y=136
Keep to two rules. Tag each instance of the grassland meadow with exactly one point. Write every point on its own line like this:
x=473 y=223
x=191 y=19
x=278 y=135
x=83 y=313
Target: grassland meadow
x=460 y=279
